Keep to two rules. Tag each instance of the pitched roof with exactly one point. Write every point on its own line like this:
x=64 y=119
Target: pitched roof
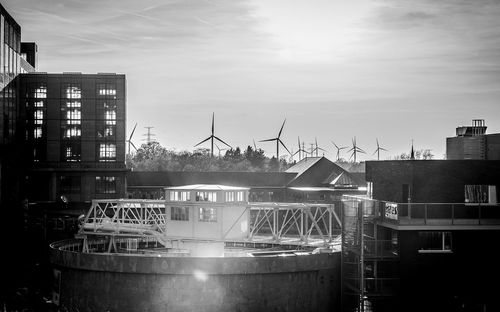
x=319 y=171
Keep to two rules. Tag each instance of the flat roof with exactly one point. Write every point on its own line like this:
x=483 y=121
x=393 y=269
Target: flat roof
x=208 y=187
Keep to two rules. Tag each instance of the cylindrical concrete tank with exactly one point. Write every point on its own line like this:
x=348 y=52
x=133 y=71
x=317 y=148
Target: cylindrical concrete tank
x=132 y=282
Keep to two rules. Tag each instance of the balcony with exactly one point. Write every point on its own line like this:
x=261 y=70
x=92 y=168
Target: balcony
x=438 y=213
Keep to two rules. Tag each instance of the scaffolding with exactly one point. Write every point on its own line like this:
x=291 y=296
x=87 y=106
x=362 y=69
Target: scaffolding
x=369 y=258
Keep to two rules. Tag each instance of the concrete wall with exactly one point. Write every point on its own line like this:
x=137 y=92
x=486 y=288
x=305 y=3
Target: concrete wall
x=100 y=282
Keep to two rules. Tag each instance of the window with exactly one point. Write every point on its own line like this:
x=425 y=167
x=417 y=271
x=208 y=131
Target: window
x=229 y=196
x=480 y=194
x=107 y=90
x=239 y=196
x=105 y=185
x=70 y=184
x=206 y=196
x=234 y=196
x=433 y=241
x=71 y=91
x=180 y=196
x=71 y=151
x=107 y=152
x=207 y=215
x=179 y=213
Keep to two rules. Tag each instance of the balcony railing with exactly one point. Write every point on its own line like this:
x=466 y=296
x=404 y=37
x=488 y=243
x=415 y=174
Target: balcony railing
x=423 y=213
x=439 y=213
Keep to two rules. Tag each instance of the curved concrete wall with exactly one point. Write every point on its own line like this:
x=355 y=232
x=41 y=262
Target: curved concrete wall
x=118 y=282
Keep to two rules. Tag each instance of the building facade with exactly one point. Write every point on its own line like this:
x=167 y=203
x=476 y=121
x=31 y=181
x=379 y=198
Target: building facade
x=75 y=136
x=424 y=240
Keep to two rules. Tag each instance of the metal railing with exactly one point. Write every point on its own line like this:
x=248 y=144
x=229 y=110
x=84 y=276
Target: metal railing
x=429 y=213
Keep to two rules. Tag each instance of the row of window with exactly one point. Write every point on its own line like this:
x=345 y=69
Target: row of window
x=71 y=151
x=236 y=196
x=204 y=214
x=70 y=90
x=103 y=184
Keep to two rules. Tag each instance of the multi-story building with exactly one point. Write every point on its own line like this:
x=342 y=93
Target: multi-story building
x=75 y=136
x=424 y=239
x=472 y=142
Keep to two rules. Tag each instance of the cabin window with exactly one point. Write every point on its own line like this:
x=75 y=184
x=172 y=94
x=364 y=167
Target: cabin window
x=434 y=241
x=206 y=196
x=239 y=196
x=207 y=215
x=229 y=196
x=180 y=196
x=179 y=213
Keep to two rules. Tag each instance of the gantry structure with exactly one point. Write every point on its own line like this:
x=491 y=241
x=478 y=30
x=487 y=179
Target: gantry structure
x=301 y=224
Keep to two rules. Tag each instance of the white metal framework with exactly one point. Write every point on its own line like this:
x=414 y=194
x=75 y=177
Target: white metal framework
x=288 y=221
x=298 y=223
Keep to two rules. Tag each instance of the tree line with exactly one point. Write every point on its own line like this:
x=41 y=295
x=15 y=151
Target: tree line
x=154 y=157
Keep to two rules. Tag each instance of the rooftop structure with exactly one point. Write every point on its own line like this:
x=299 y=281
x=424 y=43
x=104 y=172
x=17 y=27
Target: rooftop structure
x=472 y=142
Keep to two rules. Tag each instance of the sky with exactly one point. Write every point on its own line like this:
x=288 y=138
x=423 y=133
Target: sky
x=392 y=70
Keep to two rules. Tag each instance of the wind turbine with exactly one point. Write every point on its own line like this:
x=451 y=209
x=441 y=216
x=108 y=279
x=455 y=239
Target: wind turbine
x=338 y=150
x=212 y=137
x=355 y=149
x=130 y=140
x=299 y=150
x=278 y=142
x=220 y=149
x=378 y=150
x=316 y=149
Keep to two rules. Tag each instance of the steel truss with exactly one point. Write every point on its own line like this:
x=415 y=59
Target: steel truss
x=124 y=218
x=117 y=222
x=302 y=220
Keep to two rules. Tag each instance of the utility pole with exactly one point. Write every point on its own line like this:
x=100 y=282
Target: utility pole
x=148 y=135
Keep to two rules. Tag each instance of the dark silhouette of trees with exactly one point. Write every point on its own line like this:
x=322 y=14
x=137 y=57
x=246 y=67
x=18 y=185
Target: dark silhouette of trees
x=154 y=157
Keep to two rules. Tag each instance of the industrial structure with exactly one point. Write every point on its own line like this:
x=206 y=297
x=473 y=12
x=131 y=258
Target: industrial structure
x=203 y=248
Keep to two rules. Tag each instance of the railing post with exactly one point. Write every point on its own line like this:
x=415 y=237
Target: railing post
x=452 y=214
x=479 y=207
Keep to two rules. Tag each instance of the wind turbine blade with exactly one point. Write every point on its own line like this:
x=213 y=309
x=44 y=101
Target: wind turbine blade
x=132 y=133
x=269 y=140
x=283 y=144
x=383 y=149
x=222 y=141
x=133 y=145
x=254 y=145
x=375 y=151
x=279 y=134
x=361 y=151
x=343 y=147
x=203 y=141
x=335 y=145
x=298 y=140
